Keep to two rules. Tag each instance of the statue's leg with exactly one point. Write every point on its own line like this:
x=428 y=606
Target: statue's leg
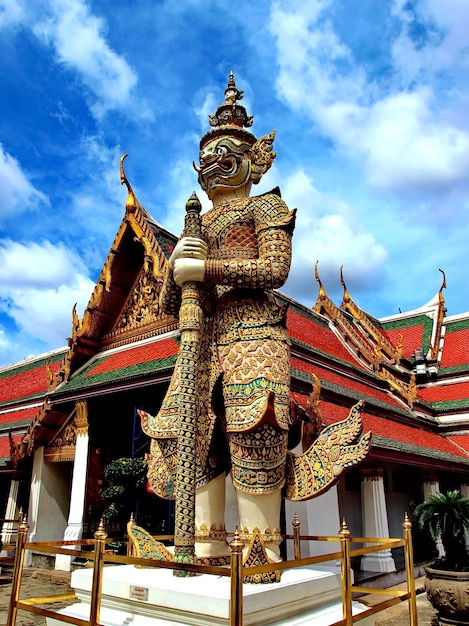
x=210 y=533
x=258 y=472
x=261 y=511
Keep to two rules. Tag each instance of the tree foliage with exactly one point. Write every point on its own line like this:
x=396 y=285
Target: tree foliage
x=446 y=517
x=126 y=478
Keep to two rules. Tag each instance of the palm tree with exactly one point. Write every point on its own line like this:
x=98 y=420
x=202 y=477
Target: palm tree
x=446 y=517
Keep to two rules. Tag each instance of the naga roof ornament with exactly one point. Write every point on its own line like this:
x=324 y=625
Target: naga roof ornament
x=435 y=346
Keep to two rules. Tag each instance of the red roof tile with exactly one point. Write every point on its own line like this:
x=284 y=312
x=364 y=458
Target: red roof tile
x=412 y=338
x=455 y=348
x=135 y=355
x=445 y=393
x=4 y=447
x=26 y=383
x=357 y=388
x=316 y=335
x=13 y=417
x=389 y=429
x=460 y=440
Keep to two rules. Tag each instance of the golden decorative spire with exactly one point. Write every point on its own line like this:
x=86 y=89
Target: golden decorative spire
x=322 y=291
x=131 y=203
x=435 y=347
x=346 y=296
x=443 y=286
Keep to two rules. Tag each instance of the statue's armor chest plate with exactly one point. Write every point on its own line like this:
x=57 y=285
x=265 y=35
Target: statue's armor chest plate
x=229 y=231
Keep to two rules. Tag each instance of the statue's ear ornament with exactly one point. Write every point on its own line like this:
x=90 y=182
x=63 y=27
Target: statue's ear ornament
x=262 y=156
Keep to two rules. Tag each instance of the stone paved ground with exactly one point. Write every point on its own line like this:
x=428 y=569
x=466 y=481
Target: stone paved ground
x=40 y=582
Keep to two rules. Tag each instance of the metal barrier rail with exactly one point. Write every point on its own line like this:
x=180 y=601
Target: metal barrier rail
x=236 y=572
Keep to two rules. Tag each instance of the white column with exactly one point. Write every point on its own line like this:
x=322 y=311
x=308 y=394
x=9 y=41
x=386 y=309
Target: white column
x=431 y=487
x=49 y=501
x=74 y=528
x=11 y=513
x=375 y=521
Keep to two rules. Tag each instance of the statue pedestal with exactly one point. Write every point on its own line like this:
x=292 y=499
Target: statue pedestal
x=152 y=597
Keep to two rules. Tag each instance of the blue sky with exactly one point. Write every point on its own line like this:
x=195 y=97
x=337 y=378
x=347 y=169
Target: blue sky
x=369 y=100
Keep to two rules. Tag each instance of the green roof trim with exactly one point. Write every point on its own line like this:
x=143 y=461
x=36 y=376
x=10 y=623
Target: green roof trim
x=406 y=322
x=453 y=369
x=391 y=444
x=457 y=325
x=15 y=425
x=409 y=322
x=85 y=380
x=451 y=404
x=32 y=365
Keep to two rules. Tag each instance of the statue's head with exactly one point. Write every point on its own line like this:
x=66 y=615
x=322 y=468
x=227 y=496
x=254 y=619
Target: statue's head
x=230 y=156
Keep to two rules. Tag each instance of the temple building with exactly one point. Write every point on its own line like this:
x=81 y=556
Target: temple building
x=66 y=414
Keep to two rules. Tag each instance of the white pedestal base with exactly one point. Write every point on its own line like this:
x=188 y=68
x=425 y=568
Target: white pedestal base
x=381 y=562
x=144 y=597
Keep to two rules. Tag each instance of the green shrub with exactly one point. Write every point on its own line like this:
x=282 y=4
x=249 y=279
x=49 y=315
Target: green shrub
x=446 y=517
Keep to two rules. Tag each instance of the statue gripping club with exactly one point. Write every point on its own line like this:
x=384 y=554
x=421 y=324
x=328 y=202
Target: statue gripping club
x=237 y=412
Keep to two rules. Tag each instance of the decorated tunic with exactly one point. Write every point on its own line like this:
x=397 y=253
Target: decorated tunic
x=244 y=367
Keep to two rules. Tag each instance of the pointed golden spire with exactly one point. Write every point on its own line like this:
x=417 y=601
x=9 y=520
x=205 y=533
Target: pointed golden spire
x=346 y=296
x=131 y=203
x=322 y=291
x=435 y=347
x=443 y=286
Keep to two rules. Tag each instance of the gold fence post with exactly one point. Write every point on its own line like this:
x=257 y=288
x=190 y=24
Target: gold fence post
x=130 y=547
x=296 y=538
x=99 y=544
x=236 y=604
x=345 y=535
x=409 y=567
x=17 y=570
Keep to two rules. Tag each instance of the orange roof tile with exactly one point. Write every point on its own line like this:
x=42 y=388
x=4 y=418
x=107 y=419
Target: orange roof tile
x=16 y=417
x=412 y=338
x=25 y=382
x=455 y=348
x=389 y=429
x=461 y=440
x=317 y=335
x=445 y=393
x=135 y=356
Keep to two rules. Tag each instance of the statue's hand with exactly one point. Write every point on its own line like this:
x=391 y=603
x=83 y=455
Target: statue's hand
x=188 y=269
x=191 y=247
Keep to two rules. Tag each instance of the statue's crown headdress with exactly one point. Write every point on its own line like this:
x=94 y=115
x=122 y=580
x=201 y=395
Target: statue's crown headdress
x=230 y=117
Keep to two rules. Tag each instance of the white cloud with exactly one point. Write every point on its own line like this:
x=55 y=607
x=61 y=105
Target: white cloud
x=329 y=230
x=39 y=284
x=36 y=265
x=80 y=43
x=11 y=12
x=17 y=193
x=404 y=137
